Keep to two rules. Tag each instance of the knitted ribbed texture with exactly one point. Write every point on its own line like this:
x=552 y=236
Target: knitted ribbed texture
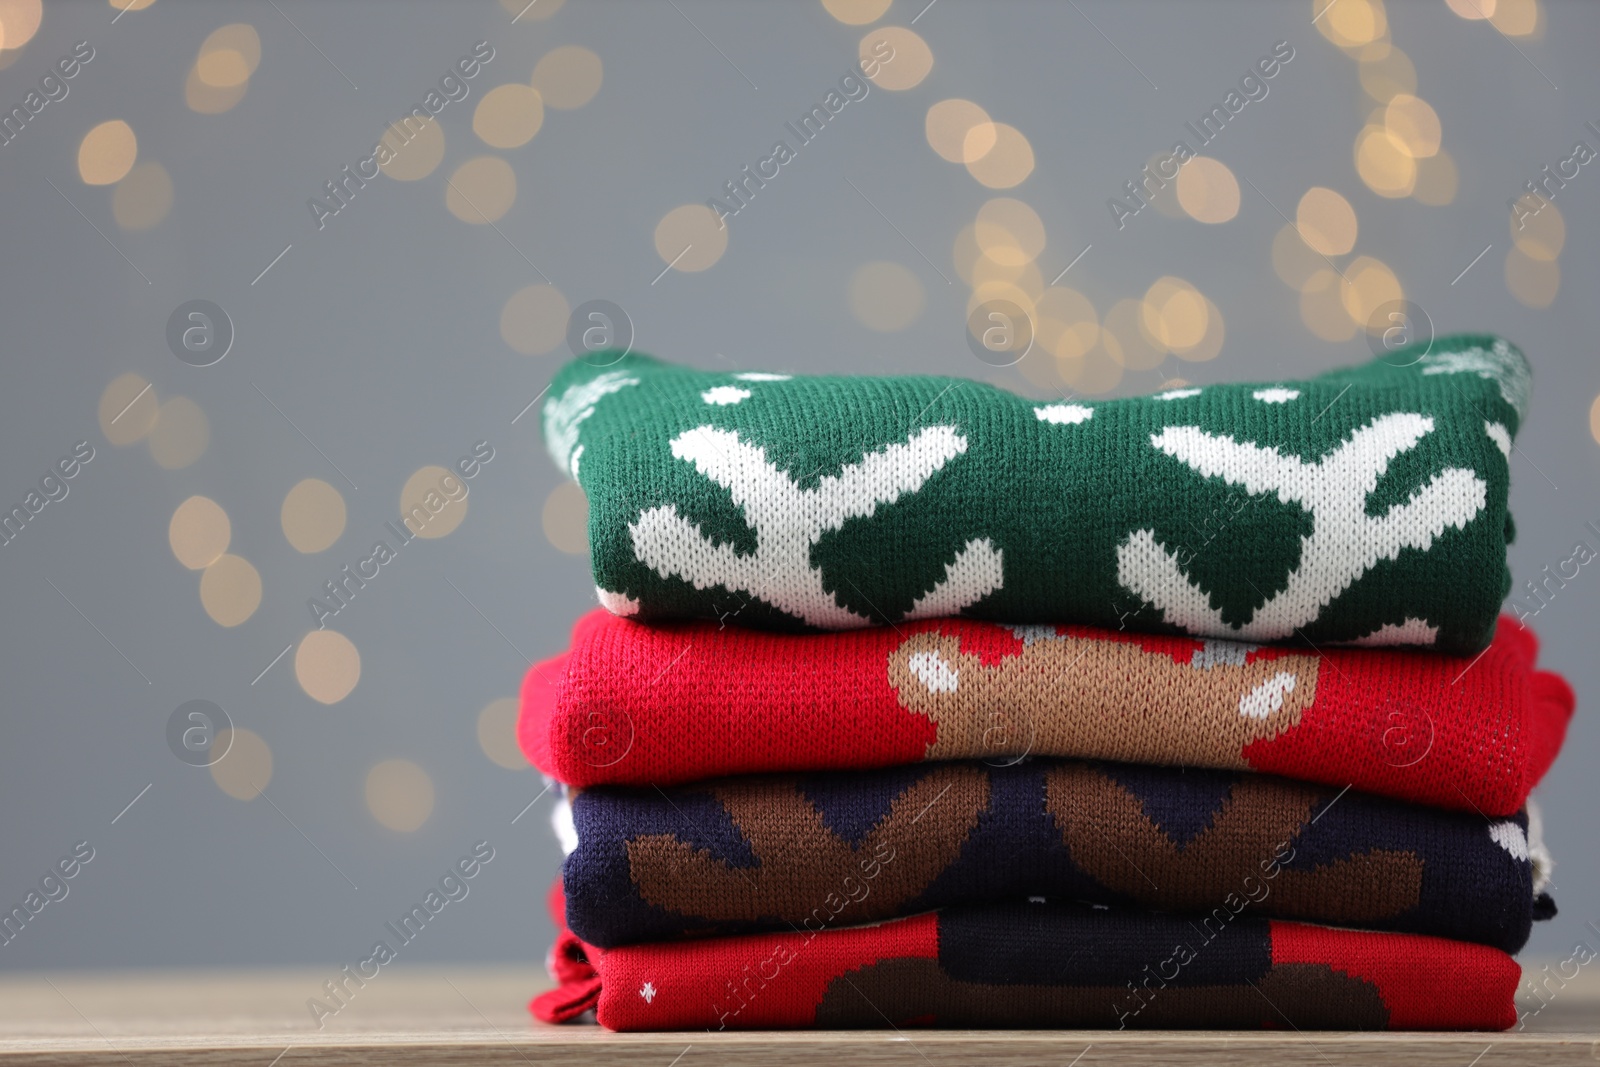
x=1368 y=504
x=633 y=704
x=828 y=850
x=1041 y=965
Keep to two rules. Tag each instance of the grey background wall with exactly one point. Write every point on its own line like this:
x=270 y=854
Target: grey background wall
x=379 y=344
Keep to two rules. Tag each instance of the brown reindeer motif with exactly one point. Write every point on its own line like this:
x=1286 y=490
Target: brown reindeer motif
x=1102 y=699
x=1115 y=842
x=919 y=837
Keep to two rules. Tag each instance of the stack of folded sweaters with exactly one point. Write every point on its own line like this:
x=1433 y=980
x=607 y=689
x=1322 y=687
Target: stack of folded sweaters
x=915 y=702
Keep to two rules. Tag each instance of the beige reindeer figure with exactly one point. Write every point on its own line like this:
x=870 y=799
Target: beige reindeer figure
x=1101 y=699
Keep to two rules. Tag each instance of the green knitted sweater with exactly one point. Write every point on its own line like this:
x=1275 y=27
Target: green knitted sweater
x=1365 y=505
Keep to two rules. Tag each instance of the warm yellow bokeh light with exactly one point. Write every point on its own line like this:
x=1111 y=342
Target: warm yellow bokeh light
x=399 y=794
x=1207 y=190
x=977 y=267
x=1518 y=18
x=1006 y=164
x=1175 y=314
x=416 y=146
x=1538 y=234
x=1322 y=307
x=246 y=768
x=1351 y=23
x=885 y=297
x=180 y=434
x=107 y=153
x=1038 y=367
x=565 y=518
x=1472 y=9
x=222 y=68
x=230 y=590
x=128 y=409
x=1368 y=285
x=997 y=291
x=690 y=238
x=1534 y=282
x=1386 y=71
x=1125 y=340
x=1096 y=372
x=911 y=62
x=481 y=190
x=1210 y=345
x=1384 y=162
x=327 y=666
x=1024 y=276
x=959 y=130
x=229 y=56
x=534 y=320
x=508 y=115
x=19 y=21
x=1437 y=180
x=312 y=516
x=1294 y=261
x=497 y=734
x=1066 y=324
x=1000 y=320
x=1594 y=420
x=1414 y=124
x=206 y=99
x=1326 y=221
x=981 y=269
x=199 y=532
x=433 y=502
x=568 y=77
x=1009 y=232
x=143 y=198
x=856 y=12
x=1165 y=197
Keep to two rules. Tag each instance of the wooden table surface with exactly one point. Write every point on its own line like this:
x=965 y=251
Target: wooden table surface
x=476 y=1015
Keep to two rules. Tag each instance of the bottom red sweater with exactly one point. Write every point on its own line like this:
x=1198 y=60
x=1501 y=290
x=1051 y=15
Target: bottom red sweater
x=1040 y=965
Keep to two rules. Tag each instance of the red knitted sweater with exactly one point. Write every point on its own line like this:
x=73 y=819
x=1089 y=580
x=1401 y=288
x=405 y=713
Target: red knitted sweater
x=1040 y=965
x=643 y=704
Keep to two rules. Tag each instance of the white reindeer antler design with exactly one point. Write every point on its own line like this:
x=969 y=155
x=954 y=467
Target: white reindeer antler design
x=563 y=415
x=1345 y=542
x=789 y=520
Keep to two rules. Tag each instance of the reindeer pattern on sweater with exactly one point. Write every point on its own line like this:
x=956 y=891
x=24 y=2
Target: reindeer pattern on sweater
x=1365 y=506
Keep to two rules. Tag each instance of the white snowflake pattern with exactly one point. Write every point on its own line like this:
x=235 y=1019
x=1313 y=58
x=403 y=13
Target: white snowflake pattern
x=1064 y=414
x=648 y=992
x=725 y=394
